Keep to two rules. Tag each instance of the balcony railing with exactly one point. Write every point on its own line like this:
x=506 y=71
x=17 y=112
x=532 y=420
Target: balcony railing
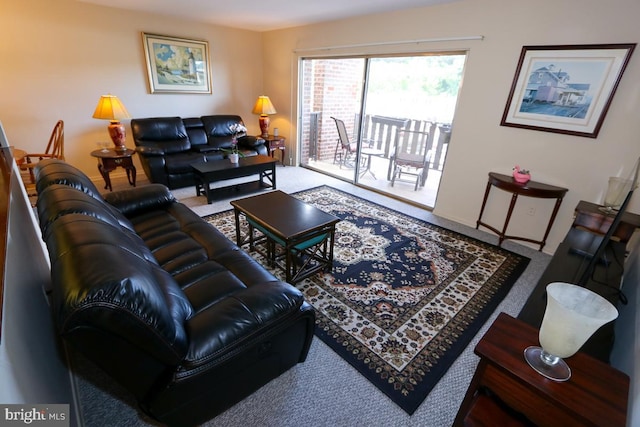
x=380 y=132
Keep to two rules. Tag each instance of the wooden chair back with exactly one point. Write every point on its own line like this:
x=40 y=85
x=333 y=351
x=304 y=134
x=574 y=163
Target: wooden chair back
x=55 y=147
x=54 y=150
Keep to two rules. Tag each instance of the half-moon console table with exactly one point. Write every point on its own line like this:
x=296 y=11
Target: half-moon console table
x=529 y=189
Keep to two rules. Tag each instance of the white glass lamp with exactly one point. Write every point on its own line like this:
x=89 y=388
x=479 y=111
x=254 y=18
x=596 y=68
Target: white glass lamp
x=617 y=190
x=264 y=107
x=111 y=108
x=572 y=315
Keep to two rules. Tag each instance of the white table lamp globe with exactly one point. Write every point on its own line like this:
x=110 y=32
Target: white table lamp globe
x=572 y=315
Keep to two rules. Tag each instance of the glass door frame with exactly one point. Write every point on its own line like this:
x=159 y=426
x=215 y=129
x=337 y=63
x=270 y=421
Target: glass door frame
x=359 y=133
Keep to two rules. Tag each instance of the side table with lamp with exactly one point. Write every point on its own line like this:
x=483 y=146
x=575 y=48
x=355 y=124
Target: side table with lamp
x=111 y=108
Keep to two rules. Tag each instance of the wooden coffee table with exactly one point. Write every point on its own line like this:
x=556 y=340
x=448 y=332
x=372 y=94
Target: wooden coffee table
x=304 y=233
x=209 y=172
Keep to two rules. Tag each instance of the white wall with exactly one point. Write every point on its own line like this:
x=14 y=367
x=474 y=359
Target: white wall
x=59 y=56
x=478 y=143
x=31 y=367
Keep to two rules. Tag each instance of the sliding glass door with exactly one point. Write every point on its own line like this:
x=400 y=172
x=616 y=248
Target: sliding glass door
x=380 y=122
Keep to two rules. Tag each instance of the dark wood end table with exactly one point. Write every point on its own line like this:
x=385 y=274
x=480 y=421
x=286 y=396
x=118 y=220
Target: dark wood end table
x=207 y=173
x=505 y=387
x=276 y=142
x=110 y=159
x=304 y=232
x=590 y=217
x=529 y=189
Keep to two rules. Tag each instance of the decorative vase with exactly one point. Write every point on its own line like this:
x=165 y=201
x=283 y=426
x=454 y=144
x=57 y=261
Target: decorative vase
x=572 y=315
x=522 y=178
x=521 y=175
x=233 y=157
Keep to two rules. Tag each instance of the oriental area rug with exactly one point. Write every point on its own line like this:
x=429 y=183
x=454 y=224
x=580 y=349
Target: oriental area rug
x=404 y=298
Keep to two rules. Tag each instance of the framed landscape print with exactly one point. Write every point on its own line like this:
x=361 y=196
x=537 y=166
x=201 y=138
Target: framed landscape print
x=565 y=89
x=177 y=64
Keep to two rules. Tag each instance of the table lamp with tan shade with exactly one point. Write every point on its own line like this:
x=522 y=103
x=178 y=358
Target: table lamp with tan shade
x=264 y=107
x=111 y=108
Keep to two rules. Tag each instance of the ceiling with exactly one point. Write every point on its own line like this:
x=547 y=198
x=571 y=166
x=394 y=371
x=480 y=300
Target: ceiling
x=261 y=15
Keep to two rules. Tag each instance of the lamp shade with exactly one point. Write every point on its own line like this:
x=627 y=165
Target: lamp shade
x=110 y=108
x=264 y=106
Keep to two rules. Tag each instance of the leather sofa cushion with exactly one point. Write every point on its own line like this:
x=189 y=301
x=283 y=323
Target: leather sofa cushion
x=166 y=134
x=59 y=200
x=129 y=298
x=218 y=129
x=133 y=201
x=220 y=124
x=223 y=327
x=195 y=131
x=206 y=265
x=180 y=240
x=55 y=171
x=220 y=142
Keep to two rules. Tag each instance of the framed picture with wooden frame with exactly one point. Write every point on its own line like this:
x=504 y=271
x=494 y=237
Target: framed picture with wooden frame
x=565 y=88
x=177 y=65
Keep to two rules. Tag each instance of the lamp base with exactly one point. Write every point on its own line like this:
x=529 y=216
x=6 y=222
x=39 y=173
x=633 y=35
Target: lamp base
x=264 y=125
x=556 y=371
x=608 y=210
x=118 y=135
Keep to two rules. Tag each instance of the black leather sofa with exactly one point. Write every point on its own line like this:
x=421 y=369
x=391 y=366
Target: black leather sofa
x=168 y=146
x=161 y=300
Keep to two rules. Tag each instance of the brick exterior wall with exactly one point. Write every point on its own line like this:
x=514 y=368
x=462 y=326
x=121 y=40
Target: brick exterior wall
x=330 y=88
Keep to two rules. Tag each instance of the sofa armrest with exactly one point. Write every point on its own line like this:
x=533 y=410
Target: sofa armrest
x=203 y=148
x=250 y=141
x=135 y=200
x=234 y=321
x=150 y=151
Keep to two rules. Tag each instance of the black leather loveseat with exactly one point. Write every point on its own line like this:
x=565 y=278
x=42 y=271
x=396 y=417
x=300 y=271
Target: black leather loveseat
x=168 y=146
x=161 y=300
